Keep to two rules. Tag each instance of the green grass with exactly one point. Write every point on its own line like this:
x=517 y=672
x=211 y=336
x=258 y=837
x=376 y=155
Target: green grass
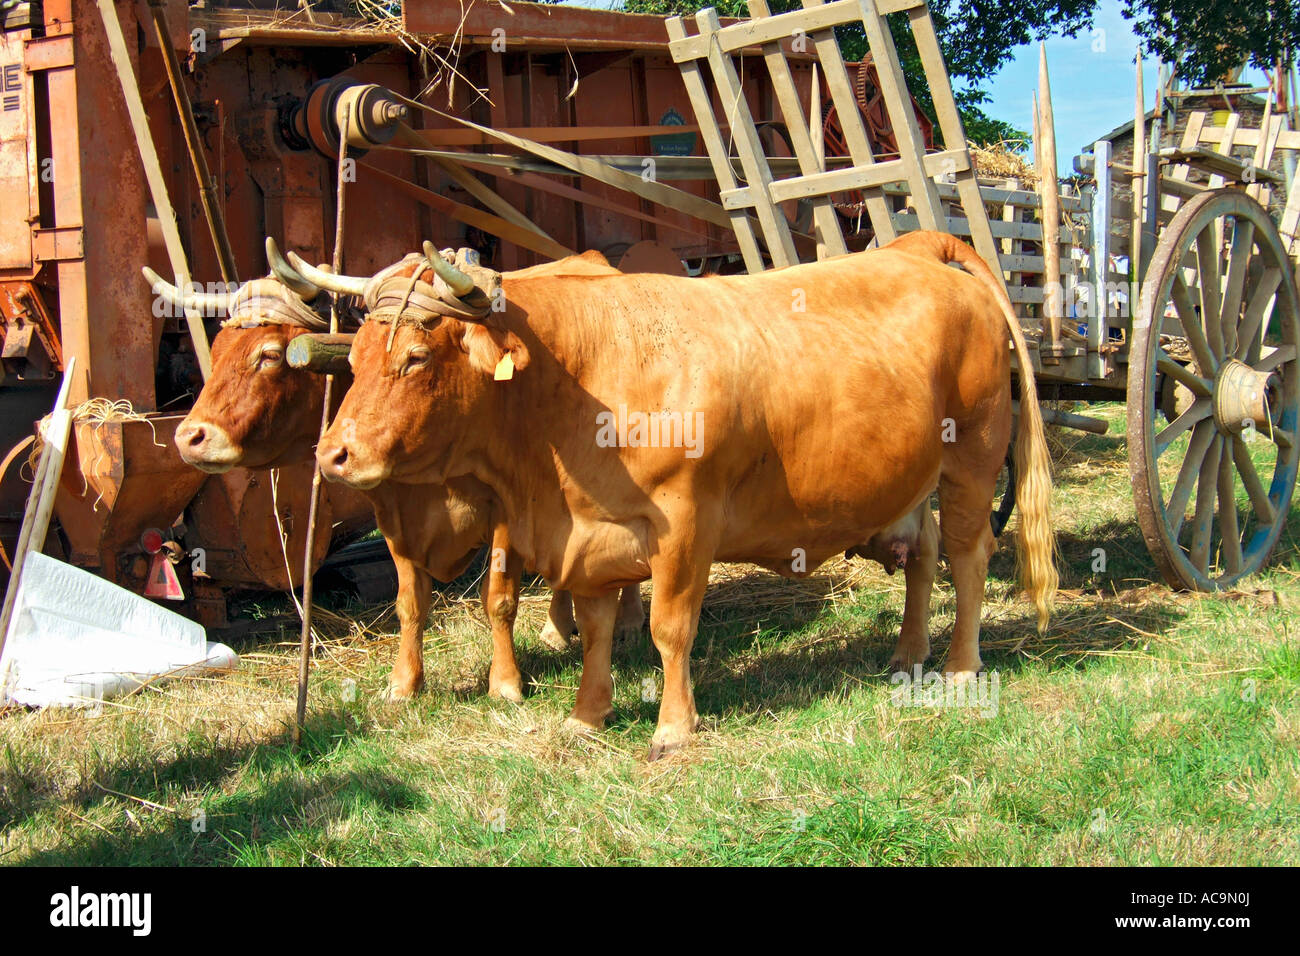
x=1146 y=728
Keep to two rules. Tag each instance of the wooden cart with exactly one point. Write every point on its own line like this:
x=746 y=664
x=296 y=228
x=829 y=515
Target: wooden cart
x=1206 y=359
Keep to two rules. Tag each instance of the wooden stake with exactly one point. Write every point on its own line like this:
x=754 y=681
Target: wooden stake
x=1051 y=198
x=817 y=132
x=40 y=502
x=304 y=657
x=1139 y=169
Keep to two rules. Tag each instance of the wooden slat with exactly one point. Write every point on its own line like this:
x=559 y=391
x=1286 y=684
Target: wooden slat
x=995 y=195
x=811 y=162
x=738 y=219
x=776 y=231
x=765 y=29
x=954 y=135
x=851 y=124
x=775 y=29
x=1286 y=139
x=908 y=222
x=898 y=101
x=1017 y=262
x=858 y=177
x=1229 y=167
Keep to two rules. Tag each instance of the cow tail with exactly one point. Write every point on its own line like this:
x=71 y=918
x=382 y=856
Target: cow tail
x=1036 y=551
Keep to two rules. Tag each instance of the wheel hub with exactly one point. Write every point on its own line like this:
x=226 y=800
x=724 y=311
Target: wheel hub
x=1245 y=398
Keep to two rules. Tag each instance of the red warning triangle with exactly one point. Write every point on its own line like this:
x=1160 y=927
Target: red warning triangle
x=163 y=582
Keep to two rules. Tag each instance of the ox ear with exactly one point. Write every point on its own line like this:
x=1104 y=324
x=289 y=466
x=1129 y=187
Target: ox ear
x=488 y=347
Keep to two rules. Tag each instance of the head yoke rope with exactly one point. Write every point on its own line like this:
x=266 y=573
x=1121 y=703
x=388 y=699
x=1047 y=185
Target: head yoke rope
x=269 y=301
x=423 y=299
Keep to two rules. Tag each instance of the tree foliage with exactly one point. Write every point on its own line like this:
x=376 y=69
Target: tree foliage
x=1211 y=38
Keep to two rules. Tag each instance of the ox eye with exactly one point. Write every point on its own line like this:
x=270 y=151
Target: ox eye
x=417 y=357
x=270 y=357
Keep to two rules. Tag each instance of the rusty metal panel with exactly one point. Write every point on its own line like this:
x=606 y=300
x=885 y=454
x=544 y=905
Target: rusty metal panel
x=538 y=25
x=58 y=244
x=49 y=53
x=17 y=140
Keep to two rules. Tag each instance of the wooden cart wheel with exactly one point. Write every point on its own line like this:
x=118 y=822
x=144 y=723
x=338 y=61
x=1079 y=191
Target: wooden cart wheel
x=1214 y=393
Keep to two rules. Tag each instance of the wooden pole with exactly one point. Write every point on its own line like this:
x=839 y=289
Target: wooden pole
x=817 y=133
x=319 y=352
x=304 y=657
x=1053 y=294
x=1294 y=98
x=40 y=503
x=1139 y=171
x=207 y=188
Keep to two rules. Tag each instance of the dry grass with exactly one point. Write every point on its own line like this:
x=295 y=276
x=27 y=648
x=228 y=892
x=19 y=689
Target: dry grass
x=1171 y=718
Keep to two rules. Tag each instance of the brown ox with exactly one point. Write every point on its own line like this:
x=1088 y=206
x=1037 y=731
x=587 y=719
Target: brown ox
x=831 y=400
x=257 y=412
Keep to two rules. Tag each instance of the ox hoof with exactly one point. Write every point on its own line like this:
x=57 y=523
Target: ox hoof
x=626 y=633
x=511 y=690
x=959 y=675
x=905 y=660
x=668 y=741
x=553 y=639
x=404 y=689
x=582 y=726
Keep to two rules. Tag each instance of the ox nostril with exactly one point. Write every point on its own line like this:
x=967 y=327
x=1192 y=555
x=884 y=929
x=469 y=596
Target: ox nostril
x=194 y=436
x=340 y=457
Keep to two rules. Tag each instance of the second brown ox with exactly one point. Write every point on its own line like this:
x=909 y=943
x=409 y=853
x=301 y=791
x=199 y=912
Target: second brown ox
x=826 y=402
x=257 y=412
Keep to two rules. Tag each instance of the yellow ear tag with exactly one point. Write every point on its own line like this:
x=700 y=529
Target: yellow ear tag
x=505 y=369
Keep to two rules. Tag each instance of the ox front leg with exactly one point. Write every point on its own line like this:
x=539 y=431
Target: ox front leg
x=631 y=613
x=501 y=603
x=414 y=591
x=559 y=626
x=595 y=700
x=923 y=559
x=678 y=592
x=968 y=540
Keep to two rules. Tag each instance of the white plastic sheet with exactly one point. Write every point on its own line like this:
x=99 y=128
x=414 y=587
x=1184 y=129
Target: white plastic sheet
x=76 y=639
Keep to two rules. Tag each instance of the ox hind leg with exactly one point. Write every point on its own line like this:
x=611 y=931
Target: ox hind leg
x=560 y=625
x=500 y=596
x=595 y=699
x=965 y=497
x=631 y=614
x=922 y=561
x=414 y=592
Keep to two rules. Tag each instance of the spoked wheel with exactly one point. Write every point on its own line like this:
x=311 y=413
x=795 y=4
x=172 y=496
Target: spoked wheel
x=1214 y=393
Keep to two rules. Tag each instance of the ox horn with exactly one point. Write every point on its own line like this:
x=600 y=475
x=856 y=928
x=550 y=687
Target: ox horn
x=288 y=274
x=346 y=285
x=207 y=303
x=460 y=284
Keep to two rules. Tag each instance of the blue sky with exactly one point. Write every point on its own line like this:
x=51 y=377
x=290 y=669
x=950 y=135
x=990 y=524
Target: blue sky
x=1093 y=81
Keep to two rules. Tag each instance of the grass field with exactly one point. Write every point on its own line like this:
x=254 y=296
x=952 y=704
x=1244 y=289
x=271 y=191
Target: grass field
x=1146 y=728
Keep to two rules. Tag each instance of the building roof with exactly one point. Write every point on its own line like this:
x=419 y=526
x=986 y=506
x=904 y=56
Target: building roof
x=1127 y=128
